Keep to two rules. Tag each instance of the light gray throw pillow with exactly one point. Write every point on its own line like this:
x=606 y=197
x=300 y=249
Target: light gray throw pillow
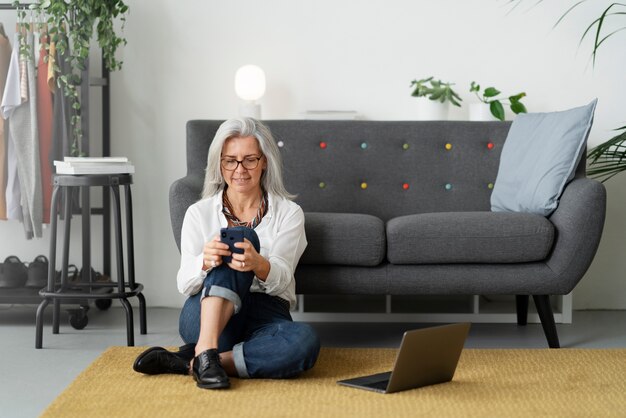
x=539 y=158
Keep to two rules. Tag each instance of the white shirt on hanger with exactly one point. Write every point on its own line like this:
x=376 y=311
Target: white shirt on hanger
x=10 y=100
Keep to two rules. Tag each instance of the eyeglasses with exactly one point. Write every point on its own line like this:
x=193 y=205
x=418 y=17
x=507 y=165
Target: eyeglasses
x=249 y=163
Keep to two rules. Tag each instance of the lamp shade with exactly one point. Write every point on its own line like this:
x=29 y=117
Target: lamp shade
x=250 y=82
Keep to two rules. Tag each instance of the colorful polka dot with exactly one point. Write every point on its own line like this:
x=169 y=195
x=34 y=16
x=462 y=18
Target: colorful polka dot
x=448 y=146
x=323 y=145
x=448 y=186
x=363 y=185
x=280 y=144
x=322 y=185
x=405 y=186
x=490 y=186
x=405 y=146
x=490 y=145
x=363 y=145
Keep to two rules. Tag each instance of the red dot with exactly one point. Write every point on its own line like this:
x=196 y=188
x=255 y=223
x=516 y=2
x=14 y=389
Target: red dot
x=323 y=145
x=490 y=145
x=405 y=186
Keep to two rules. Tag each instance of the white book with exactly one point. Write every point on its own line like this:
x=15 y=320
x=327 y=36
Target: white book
x=330 y=115
x=89 y=164
x=105 y=169
x=95 y=159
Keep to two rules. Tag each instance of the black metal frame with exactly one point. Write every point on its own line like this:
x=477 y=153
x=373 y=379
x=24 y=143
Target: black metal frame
x=18 y=296
x=88 y=289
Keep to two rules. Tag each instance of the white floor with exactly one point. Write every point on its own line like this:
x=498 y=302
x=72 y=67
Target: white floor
x=30 y=379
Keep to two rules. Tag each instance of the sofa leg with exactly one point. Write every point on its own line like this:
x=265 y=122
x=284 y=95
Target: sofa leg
x=542 y=302
x=521 y=303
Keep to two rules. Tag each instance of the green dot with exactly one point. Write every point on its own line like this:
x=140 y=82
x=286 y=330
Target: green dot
x=322 y=184
x=490 y=185
x=405 y=146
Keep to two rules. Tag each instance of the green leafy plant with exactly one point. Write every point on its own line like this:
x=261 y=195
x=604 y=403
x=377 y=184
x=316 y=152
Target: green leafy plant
x=609 y=158
x=613 y=12
x=71 y=25
x=435 y=90
x=496 y=106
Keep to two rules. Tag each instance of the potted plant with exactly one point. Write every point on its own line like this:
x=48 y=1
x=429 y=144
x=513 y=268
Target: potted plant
x=609 y=158
x=489 y=97
x=71 y=25
x=434 y=98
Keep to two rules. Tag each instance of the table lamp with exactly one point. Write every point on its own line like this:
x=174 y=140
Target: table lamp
x=250 y=87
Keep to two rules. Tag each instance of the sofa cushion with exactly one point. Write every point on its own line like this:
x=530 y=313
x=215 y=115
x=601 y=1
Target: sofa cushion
x=343 y=238
x=469 y=237
x=539 y=157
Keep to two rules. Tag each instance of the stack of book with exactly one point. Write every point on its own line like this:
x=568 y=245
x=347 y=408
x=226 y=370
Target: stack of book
x=94 y=165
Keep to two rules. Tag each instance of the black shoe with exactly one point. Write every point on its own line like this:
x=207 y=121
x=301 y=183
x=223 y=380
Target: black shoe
x=157 y=360
x=187 y=351
x=208 y=371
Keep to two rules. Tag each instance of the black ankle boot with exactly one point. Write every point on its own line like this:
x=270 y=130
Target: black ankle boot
x=208 y=371
x=157 y=360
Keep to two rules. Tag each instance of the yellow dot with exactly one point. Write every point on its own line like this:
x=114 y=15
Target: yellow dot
x=490 y=185
x=405 y=146
x=448 y=146
x=322 y=184
x=364 y=185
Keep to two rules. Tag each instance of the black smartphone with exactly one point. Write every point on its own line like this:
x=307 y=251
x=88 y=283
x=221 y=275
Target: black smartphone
x=231 y=236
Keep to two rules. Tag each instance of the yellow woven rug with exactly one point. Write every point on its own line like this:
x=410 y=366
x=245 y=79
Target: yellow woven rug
x=493 y=383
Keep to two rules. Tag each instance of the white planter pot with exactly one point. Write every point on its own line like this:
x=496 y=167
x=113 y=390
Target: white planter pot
x=480 y=112
x=431 y=110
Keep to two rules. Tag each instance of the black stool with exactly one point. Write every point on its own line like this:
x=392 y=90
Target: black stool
x=87 y=290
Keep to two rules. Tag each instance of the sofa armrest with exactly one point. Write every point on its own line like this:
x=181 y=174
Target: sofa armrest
x=183 y=193
x=579 y=220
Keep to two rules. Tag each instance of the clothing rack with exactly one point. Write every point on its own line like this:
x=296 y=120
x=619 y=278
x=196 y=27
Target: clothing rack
x=86 y=209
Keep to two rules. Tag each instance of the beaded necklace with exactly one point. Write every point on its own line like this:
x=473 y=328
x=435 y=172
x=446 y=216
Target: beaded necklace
x=229 y=213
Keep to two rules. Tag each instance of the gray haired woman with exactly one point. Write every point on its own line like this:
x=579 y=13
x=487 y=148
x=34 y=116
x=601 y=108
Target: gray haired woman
x=236 y=320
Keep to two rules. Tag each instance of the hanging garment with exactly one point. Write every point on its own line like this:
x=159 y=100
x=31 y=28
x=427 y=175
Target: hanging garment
x=5 y=59
x=33 y=168
x=11 y=99
x=25 y=138
x=44 y=113
x=61 y=110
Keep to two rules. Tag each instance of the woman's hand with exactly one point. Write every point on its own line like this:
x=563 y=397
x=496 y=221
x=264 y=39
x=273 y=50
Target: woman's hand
x=250 y=260
x=213 y=252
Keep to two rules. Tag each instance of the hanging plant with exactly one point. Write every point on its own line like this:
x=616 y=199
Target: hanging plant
x=71 y=25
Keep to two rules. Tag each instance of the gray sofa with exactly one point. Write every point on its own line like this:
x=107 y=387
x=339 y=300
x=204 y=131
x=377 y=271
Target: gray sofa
x=397 y=208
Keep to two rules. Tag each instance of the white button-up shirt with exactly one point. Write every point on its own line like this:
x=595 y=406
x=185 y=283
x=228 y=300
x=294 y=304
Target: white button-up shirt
x=281 y=235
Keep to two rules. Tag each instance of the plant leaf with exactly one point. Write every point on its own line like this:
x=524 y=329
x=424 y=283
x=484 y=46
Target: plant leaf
x=518 y=107
x=491 y=92
x=497 y=109
x=567 y=12
x=609 y=158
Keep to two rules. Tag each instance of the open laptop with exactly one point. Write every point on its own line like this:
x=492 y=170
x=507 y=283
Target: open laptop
x=426 y=357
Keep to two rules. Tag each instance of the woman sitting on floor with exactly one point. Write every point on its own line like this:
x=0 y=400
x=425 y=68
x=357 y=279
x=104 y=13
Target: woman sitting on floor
x=236 y=321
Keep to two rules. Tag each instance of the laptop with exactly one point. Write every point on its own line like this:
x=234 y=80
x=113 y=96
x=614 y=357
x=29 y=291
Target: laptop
x=426 y=357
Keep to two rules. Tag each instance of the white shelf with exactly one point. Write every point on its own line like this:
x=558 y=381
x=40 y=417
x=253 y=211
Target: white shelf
x=381 y=308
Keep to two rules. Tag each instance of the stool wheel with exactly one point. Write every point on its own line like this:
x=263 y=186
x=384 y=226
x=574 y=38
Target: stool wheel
x=103 y=304
x=78 y=318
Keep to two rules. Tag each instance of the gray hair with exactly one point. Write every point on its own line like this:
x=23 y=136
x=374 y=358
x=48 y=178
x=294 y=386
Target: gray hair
x=272 y=177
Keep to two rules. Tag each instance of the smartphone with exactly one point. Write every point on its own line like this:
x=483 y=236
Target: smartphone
x=231 y=236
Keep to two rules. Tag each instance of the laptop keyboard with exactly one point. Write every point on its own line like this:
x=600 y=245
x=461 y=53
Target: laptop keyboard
x=382 y=385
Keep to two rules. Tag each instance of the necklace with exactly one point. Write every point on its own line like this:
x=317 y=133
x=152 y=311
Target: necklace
x=229 y=213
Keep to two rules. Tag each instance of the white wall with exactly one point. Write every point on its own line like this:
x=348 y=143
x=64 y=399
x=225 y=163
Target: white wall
x=181 y=57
